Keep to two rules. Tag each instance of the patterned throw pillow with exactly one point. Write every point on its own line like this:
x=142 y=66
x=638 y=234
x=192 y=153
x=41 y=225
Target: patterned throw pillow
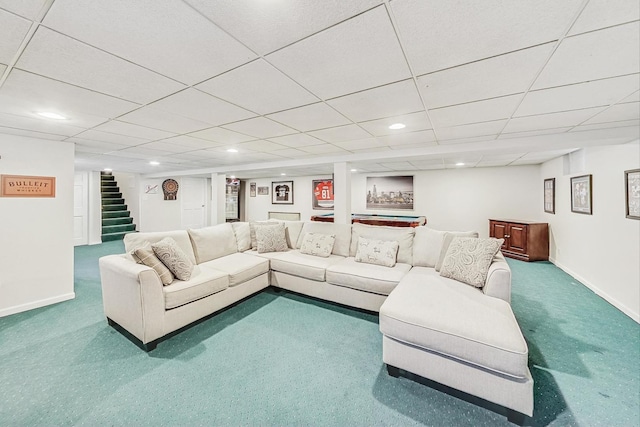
x=271 y=239
x=317 y=244
x=446 y=241
x=379 y=252
x=468 y=259
x=168 y=251
x=255 y=225
x=145 y=255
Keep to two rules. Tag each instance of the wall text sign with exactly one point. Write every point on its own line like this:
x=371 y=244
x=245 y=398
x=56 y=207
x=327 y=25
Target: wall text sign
x=27 y=186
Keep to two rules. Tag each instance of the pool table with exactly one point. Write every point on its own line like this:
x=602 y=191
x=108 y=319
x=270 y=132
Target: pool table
x=374 y=219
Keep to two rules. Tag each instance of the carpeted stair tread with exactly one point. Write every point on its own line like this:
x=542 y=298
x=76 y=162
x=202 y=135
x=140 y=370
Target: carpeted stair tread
x=115 y=236
x=114 y=207
x=116 y=221
x=110 y=189
x=116 y=214
x=108 y=229
x=111 y=196
x=118 y=201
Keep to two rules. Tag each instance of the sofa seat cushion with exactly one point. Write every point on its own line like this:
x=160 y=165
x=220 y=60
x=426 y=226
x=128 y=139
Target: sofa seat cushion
x=204 y=282
x=366 y=277
x=451 y=318
x=239 y=266
x=303 y=265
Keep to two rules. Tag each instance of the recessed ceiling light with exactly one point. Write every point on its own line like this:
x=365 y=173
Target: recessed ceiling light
x=154 y=163
x=232 y=177
x=354 y=170
x=397 y=126
x=283 y=174
x=50 y=115
x=232 y=150
x=460 y=164
x=107 y=169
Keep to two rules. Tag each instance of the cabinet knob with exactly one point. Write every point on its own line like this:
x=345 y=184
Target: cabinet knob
x=507 y=236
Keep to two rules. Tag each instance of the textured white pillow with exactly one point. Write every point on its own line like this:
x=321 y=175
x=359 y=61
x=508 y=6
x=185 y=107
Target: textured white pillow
x=317 y=244
x=427 y=245
x=168 y=251
x=446 y=241
x=379 y=252
x=213 y=242
x=254 y=225
x=271 y=239
x=242 y=230
x=402 y=235
x=468 y=259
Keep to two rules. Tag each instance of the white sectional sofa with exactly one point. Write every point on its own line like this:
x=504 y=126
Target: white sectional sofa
x=465 y=337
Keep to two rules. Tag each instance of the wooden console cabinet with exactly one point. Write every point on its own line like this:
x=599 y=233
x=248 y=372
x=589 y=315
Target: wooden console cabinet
x=523 y=240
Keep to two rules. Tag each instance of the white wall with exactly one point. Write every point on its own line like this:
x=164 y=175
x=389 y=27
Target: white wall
x=600 y=250
x=36 y=234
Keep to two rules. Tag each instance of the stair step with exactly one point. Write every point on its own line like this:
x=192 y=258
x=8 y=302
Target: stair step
x=119 y=201
x=111 y=208
x=115 y=214
x=115 y=236
x=110 y=195
x=116 y=221
x=110 y=188
x=105 y=178
x=108 y=229
x=104 y=183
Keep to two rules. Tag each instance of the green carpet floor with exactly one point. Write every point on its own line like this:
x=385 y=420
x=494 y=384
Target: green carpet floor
x=284 y=359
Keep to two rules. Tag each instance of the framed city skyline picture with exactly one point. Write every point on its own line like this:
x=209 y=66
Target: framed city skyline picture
x=390 y=192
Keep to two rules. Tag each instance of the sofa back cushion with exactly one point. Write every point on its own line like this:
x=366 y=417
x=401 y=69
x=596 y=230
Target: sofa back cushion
x=242 y=230
x=426 y=246
x=213 y=242
x=341 y=231
x=133 y=241
x=402 y=235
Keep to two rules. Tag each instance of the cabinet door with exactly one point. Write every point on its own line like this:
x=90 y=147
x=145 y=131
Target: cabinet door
x=517 y=238
x=499 y=230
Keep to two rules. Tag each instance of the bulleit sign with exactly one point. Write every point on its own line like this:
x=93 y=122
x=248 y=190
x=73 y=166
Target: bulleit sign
x=27 y=186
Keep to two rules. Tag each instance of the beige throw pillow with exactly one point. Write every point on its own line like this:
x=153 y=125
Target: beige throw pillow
x=168 y=251
x=446 y=241
x=271 y=239
x=468 y=259
x=318 y=244
x=252 y=230
x=379 y=252
x=145 y=255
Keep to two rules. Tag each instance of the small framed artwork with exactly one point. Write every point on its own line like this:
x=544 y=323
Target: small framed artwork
x=550 y=195
x=322 y=194
x=282 y=193
x=263 y=191
x=252 y=189
x=632 y=193
x=581 y=197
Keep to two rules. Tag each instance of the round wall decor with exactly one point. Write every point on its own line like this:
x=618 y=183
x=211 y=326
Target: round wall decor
x=170 y=189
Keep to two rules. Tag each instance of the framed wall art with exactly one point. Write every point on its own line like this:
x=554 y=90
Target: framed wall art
x=632 y=193
x=550 y=195
x=390 y=192
x=322 y=194
x=263 y=191
x=252 y=189
x=282 y=193
x=581 y=197
x=27 y=186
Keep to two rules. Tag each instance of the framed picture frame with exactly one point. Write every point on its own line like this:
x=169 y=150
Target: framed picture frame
x=389 y=192
x=263 y=191
x=252 y=189
x=322 y=194
x=282 y=193
x=632 y=193
x=550 y=195
x=581 y=194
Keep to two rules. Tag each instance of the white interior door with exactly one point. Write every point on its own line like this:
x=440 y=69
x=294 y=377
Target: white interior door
x=193 y=202
x=80 y=208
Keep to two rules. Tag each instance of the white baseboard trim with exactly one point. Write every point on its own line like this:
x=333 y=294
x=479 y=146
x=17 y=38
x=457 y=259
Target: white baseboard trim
x=614 y=302
x=36 y=304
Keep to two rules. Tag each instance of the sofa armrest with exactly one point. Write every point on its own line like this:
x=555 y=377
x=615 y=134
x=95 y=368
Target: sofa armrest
x=498 y=282
x=132 y=296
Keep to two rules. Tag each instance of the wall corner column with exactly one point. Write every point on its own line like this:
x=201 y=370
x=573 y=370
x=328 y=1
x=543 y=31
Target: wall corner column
x=342 y=193
x=218 y=198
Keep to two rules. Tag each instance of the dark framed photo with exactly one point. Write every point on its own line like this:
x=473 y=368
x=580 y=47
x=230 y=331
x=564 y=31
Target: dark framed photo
x=282 y=193
x=550 y=195
x=632 y=193
x=263 y=191
x=581 y=197
x=322 y=194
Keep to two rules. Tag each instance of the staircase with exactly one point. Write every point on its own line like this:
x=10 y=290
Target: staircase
x=116 y=221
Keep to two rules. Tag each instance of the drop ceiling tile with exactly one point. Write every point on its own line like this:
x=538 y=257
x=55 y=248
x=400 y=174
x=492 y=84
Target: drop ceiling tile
x=617 y=113
x=140 y=151
x=634 y=97
x=489 y=78
x=399 y=166
x=541 y=157
x=423 y=137
x=260 y=146
x=96 y=135
x=12 y=31
x=38 y=125
x=291 y=153
x=267 y=26
x=361 y=144
x=310 y=117
x=168 y=37
x=385 y=101
x=472 y=139
x=26 y=94
x=341 y=133
x=162 y=120
x=31 y=134
x=88 y=146
x=331 y=63
x=296 y=140
x=582 y=95
x=462 y=32
x=414 y=122
x=549 y=121
x=200 y=106
x=258 y=87
x=27 y=8
x=600 y=54
x=123 y=128
x=260 y=127
x=60 y=57
x=475 y=112
x=222 y=135
x=625 y=123
x=2 y=68
x=428 y=164
x=498 y=159
x=166 y=146
x=191 y=143
x=472 y=130
x=371 y=167
x=324 y=149
x=605 y=13
x=552 y=131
